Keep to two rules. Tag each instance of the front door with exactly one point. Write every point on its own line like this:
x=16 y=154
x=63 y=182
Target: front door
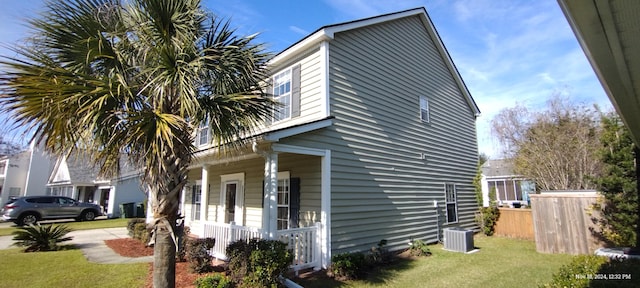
x=231 y=190
x=232 y=197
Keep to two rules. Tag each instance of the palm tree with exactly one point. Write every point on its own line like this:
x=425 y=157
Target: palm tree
x=134 y=78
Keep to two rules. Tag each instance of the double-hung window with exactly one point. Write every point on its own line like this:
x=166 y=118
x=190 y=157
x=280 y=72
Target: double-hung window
x=282 y=95
x=204 y=135
x=424 y=109
x=451 y=202
x=284 y=193
x=196 y=194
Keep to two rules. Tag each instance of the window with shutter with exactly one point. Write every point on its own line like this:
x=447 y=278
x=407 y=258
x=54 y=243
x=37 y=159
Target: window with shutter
x=288 y=201
x=285 y=87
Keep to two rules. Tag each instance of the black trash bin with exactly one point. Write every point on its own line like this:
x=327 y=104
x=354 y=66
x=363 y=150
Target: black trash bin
x=140 y=213
x=126 y=210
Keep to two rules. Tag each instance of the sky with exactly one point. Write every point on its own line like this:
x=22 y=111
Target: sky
x=508 y=52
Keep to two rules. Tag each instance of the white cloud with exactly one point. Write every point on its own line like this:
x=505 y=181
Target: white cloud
x=299 y=30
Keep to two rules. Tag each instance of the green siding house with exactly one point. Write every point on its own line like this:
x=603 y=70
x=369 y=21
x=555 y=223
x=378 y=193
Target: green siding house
x=376 y=139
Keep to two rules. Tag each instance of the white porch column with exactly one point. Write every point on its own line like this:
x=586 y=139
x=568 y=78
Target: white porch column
x=204 y=196
x=270 y=206
x=325 y=207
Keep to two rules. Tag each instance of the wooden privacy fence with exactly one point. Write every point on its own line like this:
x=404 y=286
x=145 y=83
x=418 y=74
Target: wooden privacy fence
x=515 y=223
x=562 y=222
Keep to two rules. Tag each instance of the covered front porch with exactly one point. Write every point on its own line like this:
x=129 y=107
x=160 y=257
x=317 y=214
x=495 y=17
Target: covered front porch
x=272 y=191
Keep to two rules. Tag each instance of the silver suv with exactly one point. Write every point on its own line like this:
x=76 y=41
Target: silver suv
x=31 y=209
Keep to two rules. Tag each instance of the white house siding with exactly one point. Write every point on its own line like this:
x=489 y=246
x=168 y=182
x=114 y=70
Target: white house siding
x=381 y=187
x=16 y=169
x=40 y=166
x=307 y=168
x=310 y=87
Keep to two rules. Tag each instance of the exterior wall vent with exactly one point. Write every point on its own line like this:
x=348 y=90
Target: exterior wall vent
x=458 y=239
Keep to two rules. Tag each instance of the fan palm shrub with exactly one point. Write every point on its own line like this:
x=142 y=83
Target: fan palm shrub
x=41 y=238
x=133 y=80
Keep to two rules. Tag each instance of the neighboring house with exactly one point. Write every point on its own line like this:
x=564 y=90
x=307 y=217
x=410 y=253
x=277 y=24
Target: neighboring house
x=375 y=139
x=24 y=174
x=510 y=187
x=77 y=178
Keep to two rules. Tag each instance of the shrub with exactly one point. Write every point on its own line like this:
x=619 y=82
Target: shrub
x=419 y=248
x=347 y=266
x=596 y=271
x=198 y=254
x=258 y=263
x=380 y=253
x=181 y=254
x=41 y=238
x=488 y=218
x=141 y=233
x=131 y=225
x=214 y=281
x=570 y=275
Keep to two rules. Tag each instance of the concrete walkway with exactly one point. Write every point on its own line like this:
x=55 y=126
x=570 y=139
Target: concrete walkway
x=91 y=242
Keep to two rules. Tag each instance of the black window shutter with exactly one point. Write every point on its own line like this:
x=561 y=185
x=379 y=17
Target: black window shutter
x=294 y=203
x=295 y=91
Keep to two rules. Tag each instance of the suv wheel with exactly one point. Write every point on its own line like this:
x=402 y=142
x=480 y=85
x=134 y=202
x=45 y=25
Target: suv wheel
x=27 y=219
x=88 y=215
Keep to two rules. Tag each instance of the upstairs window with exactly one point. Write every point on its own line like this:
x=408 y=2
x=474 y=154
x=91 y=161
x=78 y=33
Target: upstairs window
x=203 y=136
x=424 y=109
x=282 y=95
x=286 y=92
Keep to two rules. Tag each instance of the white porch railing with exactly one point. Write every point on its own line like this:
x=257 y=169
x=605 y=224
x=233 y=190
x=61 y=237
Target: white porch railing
x=226 y=234
x=303 y=242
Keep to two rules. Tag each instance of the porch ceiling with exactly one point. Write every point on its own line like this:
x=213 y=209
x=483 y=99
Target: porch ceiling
x=608 y=31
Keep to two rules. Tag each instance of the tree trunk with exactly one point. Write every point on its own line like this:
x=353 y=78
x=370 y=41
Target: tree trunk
x=165 y=191
x=164 y=257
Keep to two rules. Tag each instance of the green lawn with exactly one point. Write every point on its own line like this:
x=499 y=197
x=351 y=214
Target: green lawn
x=65 y=269
x=501 y=262
x=105 y=223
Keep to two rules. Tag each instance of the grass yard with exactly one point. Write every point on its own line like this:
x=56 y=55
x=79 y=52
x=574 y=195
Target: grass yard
x=501 y=262
x=102 y=223
x=67 y=268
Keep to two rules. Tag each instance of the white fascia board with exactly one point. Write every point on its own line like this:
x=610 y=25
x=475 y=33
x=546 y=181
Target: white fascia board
x=305 y=44
x=283 y=148
x=288 y=132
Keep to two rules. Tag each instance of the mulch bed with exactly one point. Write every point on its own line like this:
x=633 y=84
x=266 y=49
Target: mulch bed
x=129 y=247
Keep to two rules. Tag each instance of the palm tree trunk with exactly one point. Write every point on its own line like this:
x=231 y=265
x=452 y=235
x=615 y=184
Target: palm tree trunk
x=164 y=257
x=166 y=199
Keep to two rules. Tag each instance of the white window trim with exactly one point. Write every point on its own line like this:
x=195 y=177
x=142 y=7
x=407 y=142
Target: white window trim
x=425 y=100
x=203 y=127
x=289 y=95
x=454 y=202
x=193 y=205
x=239 y=179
